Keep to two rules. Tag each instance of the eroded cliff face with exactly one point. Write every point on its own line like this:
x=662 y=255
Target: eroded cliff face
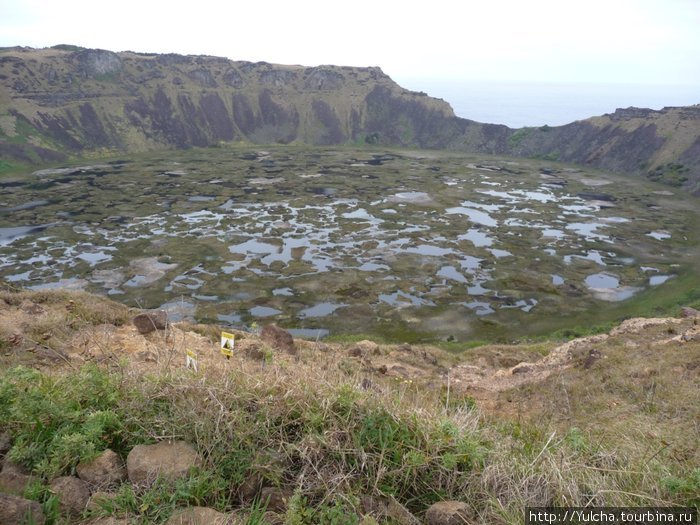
x=69 y=101
x=58 y=100
x=661 y=145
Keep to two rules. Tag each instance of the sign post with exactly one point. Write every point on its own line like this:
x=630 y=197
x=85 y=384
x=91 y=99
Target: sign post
x=228 y=341
x=191 y=359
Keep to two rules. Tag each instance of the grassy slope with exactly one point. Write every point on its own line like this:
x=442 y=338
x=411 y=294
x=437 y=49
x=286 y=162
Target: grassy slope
x=619 y=429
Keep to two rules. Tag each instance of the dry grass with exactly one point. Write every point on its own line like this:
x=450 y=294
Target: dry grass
x=620 y=430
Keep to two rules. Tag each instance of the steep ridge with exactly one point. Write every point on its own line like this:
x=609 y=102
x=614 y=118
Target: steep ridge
x=68 y=101
x=84 y=100
x=661 y=145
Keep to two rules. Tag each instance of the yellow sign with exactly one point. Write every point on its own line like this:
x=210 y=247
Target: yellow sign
x=228 y=341
x=191 y=359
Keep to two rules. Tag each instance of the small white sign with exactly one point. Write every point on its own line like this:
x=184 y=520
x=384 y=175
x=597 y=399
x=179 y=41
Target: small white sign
x=191 y=360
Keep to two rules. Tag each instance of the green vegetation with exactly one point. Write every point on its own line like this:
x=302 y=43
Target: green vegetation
x=673 y=174
x=9 y=167
x=516 y=139
x=338 y=436
x=354 y=443
x=407 y=268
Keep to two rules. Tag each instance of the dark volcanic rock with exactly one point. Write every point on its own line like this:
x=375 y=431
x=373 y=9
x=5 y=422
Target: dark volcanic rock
x=73 y=494
x=148 y=322
x=98 y=62
x=105 y=470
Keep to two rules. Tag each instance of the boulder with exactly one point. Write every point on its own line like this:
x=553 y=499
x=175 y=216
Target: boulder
x=400 y=514
x=278 y=338
x=276 y=498
x=355 y=351
x=94 y=62
x=692 y=334
x=148 y=322
x=383 y=508
x=167 y=460
x=14 y=509
x=73 y=494
x=105 y=470
x=250 y=487
x=448 y=513
x=14 y=478
x=198 y=516
x=689 y=312
x=522 y=368
x=364 y=347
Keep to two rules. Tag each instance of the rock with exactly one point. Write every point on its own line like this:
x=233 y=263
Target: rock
x=689 y=312
x=429 y=358
x=105 y=470
x=363 y=348
x=253 y=351
x=14 y=478
x=448 y=513
x=382 y=508
x=203 y=77
x=15 y=510
x=368 y=347
x=10 y=466
x=148 y=322
x=324 y=78
x=198 y=516
x=73 y=494
x=250 y=487
x=522 y=368
x=275 y=498
x=94 y=62
x=5 y=443
x=691 y=335
x=593 y=356
x=400 y=514
x=278 y=338
x=355 y=351
x=168 y=460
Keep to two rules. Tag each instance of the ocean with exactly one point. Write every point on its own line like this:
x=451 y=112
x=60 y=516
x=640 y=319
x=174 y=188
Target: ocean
x=519 y=104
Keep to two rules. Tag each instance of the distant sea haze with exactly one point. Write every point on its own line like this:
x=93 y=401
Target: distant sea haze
x=519 y=104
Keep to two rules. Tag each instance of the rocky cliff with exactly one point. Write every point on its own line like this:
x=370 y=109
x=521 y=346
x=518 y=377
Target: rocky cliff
x=67 y=101
x=75 y=100
x=661 y=145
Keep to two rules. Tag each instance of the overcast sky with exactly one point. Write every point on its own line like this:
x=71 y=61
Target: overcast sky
x=630 y=41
